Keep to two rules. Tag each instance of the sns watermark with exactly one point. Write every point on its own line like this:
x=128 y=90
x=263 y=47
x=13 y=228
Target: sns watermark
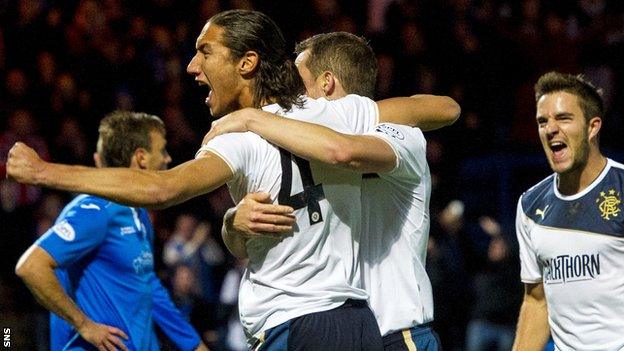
x=6 y=340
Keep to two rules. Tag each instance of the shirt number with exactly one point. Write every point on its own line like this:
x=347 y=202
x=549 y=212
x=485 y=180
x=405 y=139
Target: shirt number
x=311 y=194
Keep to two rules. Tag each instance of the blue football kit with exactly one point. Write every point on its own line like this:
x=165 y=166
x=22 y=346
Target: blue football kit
x=105 y=264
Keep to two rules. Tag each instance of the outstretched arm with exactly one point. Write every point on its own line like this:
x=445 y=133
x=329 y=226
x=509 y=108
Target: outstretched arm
x=533 y=331
x=36 y=269
x=134 y=187
x=427 y=112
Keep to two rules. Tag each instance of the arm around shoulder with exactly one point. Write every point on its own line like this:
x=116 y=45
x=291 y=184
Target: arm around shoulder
x=427 y=112
x=319 y=143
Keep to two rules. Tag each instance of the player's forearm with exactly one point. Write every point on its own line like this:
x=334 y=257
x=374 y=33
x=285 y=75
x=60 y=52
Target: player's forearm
x=44 y=285
x=427 y=112
x=234 y=241
x=136 y=187
x=322 y=144
x=307 y=140
x=363 y=153
x=533 y=331
x=132 y=187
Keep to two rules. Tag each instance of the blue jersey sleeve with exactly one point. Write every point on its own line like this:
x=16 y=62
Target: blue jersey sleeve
x=164 y=312
x=170 y=320
x=78 y=231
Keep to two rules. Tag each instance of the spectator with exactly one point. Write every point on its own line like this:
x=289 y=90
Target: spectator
x=498 y=295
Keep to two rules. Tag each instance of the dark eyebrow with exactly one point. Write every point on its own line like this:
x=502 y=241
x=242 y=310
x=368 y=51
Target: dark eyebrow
x=564 y=114
x=558 y=115
x=204 y=47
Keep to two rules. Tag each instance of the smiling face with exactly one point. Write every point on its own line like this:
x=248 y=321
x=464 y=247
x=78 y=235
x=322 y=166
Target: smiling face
x=214 y=67
x=563 y=131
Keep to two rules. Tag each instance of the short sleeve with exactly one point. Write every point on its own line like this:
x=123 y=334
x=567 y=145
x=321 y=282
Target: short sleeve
x=409 y=146
x=360 y=113
x=235 y=149
x=530 y=271
x=81 y=229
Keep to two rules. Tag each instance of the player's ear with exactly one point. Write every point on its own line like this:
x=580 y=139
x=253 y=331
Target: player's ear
x=248 y=63
x=139 y=159
x=593 y=128
x=328 y=83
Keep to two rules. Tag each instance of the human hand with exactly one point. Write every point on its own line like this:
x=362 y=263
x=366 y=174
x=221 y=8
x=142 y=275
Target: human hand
x=102 y=336
x=230 y=123
x=24 y=164
x=256 y=215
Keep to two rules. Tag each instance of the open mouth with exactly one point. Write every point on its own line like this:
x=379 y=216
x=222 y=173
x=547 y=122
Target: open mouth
x=204 y=84
x=558 y=149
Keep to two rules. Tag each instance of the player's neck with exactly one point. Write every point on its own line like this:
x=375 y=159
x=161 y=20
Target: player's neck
x=266 y=102
x=245 y=98
x=576 y=181
x=337 y=93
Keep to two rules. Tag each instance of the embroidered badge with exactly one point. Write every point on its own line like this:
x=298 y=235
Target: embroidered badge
x=610 y=204
x=64 y=230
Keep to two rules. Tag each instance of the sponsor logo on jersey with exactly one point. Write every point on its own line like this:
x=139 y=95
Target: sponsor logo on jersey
x=610 y=204
x=571 y=268
x=65 y=230
x=143 y=263
x=390 y=131
x=90 y=206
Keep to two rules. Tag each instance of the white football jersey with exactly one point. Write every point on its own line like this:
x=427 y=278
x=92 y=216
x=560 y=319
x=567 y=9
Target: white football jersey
x=574 y=245
x=316 y=268
x=395 y=220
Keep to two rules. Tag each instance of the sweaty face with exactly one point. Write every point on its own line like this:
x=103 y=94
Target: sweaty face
x=213 y=67
x=157 y=158
x=313 y=85
x=563 y=131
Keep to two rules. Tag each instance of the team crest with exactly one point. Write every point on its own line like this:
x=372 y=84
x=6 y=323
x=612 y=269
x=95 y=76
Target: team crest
x=64 y=230
x=609 y=204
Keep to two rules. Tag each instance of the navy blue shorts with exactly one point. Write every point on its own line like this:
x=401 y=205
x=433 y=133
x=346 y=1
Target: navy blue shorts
x=419 y=338
x=350 y=327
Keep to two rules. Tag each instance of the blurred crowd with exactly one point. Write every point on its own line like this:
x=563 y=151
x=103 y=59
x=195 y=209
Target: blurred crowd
x=65 y=64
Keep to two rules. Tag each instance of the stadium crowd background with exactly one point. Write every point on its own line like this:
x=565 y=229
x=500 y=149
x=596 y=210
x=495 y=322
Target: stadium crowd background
x=65 y=64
